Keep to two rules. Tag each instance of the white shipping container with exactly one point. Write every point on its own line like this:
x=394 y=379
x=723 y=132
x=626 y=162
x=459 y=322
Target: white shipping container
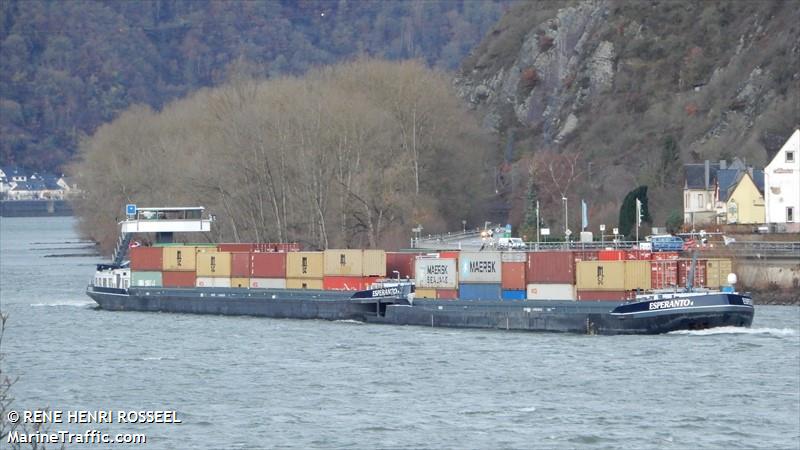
x=436 y=273
x=268 y=283
x=514 y=256
x=479 y=267
x=213 y=282
x=543 y=291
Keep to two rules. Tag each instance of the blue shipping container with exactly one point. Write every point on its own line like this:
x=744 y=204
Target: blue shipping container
x=515 y=294
x=479 y=291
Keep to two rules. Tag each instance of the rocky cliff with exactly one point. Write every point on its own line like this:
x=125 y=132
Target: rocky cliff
x=631 y=90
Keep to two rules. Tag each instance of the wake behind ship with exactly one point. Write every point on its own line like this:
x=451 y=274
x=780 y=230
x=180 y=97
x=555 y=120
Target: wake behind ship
x=439 y=289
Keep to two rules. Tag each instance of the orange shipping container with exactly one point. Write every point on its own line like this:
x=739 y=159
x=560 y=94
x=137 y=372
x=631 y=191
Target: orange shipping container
x=175 y=279
x=240 y=264
x=146 y=258
x=268 y=265
x=611 y=255
x=513 y=275
x=550 y=267
x=235 y=247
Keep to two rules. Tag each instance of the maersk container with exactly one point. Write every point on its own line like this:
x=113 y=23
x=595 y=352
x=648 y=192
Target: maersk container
x=480 y=267
x=304 y=265
x=550 y=267
x=177 y=279
x=146 y=278
x=343 y=262
x=214 y=264
x=305 y=283
x=213 y=282
x=513 y=294
x=240 y=265
x=638 y=275
x=479 y=291
x=374 y=263
x=240 y=282
x=180 y=258
x=436 y=273
x=717 y=270
x=268 y=265
x=549 y=291
x=600 y=275
x=267 y=283
x=513 y=275
x=400 y=262
x=146 y=259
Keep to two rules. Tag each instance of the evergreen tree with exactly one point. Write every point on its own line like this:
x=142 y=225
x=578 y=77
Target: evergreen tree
x=528 y=227
x=627 y=212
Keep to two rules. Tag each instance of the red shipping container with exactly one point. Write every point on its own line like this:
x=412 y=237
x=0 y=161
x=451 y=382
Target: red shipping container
x=664 y=256
x=147 y=258
x=449 y=254
x=639 y=255
x=685 y=266
x=550 y=267
x=344 y=283
x=235 y=247
x=447 y=294
x=513 y=275
x=268 y=265
x=588 y=296
x=401 y=262
x=585 y=255
x=178 y=279
x=240 y=265
x=664 y=274
x=611 y=255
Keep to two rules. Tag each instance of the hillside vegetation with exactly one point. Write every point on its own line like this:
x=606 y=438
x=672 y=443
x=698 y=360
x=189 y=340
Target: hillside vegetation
x=352 y=155
x=66 y=67
x=617 y=94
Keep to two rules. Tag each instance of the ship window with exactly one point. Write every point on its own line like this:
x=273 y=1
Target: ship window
x=789 y=157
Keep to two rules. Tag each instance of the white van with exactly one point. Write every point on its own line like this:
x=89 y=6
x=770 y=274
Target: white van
x=511 y=244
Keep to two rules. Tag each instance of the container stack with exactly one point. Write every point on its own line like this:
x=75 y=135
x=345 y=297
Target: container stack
x=479 y=276
x=352 y=270
x=213 y=268
x=436 y=277
x=513 y=275
x=550 y=275
x=304 y=270
x=179 y=266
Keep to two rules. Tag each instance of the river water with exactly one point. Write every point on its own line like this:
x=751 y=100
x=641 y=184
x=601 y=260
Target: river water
x=242 y=382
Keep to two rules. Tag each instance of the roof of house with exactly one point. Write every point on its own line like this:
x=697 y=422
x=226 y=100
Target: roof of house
x=696 y=175
x=728 y=180
x=11 y=171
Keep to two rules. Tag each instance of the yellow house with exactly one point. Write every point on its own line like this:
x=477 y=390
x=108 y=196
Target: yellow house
x=745 y=202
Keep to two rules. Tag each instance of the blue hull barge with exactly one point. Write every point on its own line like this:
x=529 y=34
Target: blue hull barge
x=660 y=314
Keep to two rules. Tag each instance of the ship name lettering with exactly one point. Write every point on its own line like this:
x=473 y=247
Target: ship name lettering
x=667 y=304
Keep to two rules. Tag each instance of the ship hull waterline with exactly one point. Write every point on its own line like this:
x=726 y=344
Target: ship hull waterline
x=601 y=317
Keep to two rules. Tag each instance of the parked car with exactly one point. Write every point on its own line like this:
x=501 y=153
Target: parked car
x=511 y=244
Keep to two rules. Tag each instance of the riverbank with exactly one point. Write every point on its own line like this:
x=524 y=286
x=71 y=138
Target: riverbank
x=773 y=297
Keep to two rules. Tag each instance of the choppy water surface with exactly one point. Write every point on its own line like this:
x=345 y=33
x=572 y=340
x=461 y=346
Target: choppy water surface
x=241 y=382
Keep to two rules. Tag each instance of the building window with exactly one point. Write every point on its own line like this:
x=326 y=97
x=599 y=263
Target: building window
x=700 y=202
x=789 y=157
x=789 y=214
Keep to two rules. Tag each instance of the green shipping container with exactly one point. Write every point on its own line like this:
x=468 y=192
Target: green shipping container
x=146 y=279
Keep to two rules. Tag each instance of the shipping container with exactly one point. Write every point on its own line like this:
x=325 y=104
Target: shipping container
x=600 y=275
x=663 y=274
x=213 y=282
x=479 y=267
x=374 y=263
x=240 y=265
x=585 y=255
x=305 y=283
x=447 y=294
x=449 y=254
x=214 y=264
x=637 y=275
x=175 y=279
x=513 y=294
x=717 y=270
x=425 y=293
x=267 y=283
x=146 y=278
x=180 y=258
x=513 y=276
x=146 y=258
x=236 y=247
x=546 y=291
x=436 y=273
x=343 y=262
x=304 y=265
x=589 y=295
x=611 y=255
x=268 y=265
x=345 y=283
x=240 y=282
x=684 y=267
x=664 y=256
x=512 y=256
x=259 y=247
x=400 y=262
x=479 y=291
x=550 y=267
x=638 y=255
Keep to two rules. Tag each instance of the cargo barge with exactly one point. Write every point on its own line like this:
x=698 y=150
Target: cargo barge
x=275 y=280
